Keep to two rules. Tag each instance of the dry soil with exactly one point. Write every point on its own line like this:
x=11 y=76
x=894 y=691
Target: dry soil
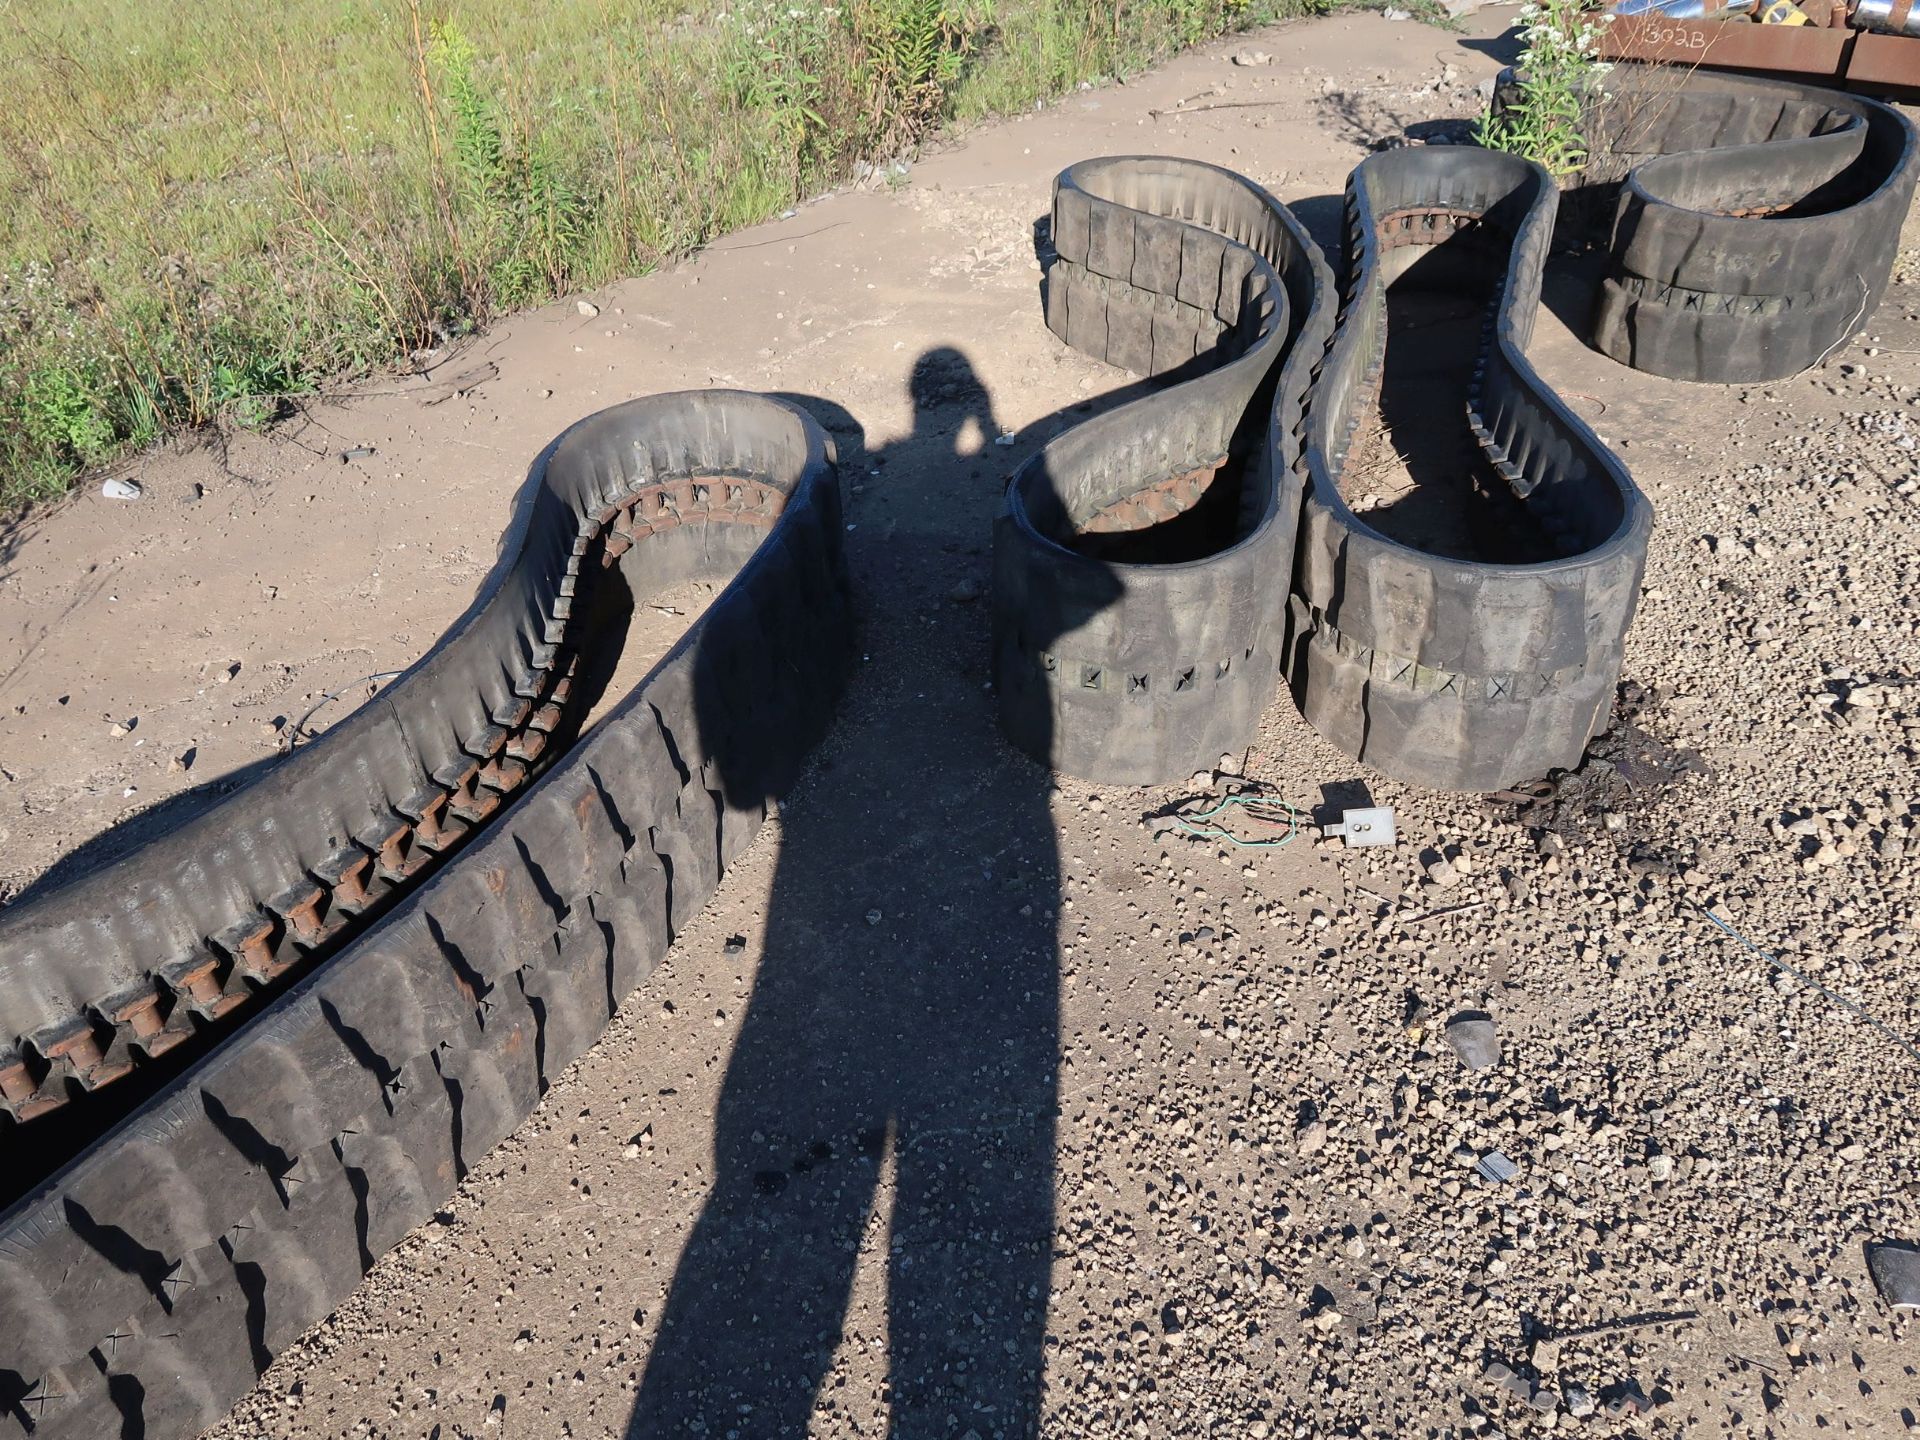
x=967 y=1093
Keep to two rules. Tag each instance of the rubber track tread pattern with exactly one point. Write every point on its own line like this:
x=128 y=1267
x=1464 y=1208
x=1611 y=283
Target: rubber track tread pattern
x=145 y=1287
x=1454 y=674
x=1137 y=672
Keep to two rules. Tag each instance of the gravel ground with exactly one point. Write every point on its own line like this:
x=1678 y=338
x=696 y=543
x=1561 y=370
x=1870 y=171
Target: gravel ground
x=978 y=1104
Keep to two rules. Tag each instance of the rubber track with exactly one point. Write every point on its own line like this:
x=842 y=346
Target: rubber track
x=1138 y=672
x=1454 y=674
x=143 y=1289
x=116 y=969
x=1756 y=225
x=1457 y=674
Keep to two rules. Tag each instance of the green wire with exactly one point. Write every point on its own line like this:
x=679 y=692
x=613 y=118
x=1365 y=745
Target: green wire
x=1291 y=818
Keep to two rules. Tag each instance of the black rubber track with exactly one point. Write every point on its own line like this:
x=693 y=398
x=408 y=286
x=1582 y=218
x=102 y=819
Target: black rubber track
x=1153 y=540
x=1757 y=220
x=1457 y=674
x=143 y=1288
x=1462 y=674
x=102 y=977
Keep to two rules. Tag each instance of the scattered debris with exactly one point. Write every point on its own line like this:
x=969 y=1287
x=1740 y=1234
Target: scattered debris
x=357 y=452
x=298 y=731
x=459 y=385
x=1496 y=1167
x=1895 y=1267
x=1627 y=1398
x=117 y=489
x=1259 y=803
x=1472 y=1035
x=1364 y=825
x=1503 y=1377
x=1805 y=979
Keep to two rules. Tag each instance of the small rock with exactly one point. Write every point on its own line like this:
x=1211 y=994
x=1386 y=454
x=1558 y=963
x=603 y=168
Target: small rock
x=1579 y=1402
x=1312 y=1137
x=1546 y=1356
x=586 y=308
x=1472 y=1035
x=183 y=762
x=123 y=727
x=1443 y=873
x=966 y=592
x=1660 y=1168
x=1252 y=57
x=117 y=489
x=874 y=917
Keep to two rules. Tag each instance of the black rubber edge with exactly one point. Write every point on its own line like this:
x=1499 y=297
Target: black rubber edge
x=1137 y=673
x=1696 y=292
x=145 y=1287
x=1448 y=673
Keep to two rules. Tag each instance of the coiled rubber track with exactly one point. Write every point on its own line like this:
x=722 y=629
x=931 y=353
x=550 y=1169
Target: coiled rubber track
x=1757 y=221
x=1457 y=674
x=144 y=1288
x=1140 y=558
x=401 y=933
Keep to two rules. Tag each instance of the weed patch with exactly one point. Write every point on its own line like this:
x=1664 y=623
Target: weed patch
x=204 y=208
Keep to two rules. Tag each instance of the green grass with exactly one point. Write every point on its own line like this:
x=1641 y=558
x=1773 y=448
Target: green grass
x=205 y=206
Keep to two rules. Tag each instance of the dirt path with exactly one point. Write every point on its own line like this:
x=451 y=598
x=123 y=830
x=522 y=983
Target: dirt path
x=966 y=1094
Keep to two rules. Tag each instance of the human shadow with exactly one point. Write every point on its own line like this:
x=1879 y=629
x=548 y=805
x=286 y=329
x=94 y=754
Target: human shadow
x=891 y=1098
